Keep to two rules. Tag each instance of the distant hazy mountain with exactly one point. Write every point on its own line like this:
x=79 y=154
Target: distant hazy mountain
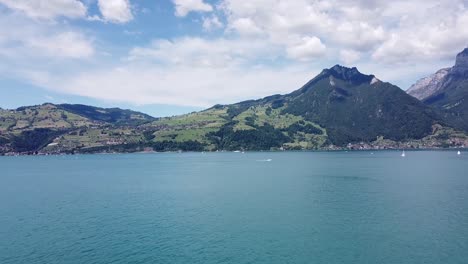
x=339 y=108
x=447 y=90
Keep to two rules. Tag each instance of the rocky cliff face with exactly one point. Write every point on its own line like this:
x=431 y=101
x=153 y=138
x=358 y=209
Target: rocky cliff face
x=429 y=85
x=438 y=82
x=461 y=65
x=447 y=91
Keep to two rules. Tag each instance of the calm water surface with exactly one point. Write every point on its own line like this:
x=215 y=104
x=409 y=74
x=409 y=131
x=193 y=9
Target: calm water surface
x=300 y=207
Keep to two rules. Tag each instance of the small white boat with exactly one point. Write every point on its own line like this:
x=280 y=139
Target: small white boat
x=458 y=153
x=403 y=154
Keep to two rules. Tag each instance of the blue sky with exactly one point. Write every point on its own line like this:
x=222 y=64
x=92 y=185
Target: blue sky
x=168 y=57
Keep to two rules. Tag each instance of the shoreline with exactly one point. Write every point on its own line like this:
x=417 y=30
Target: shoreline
x=234 y=151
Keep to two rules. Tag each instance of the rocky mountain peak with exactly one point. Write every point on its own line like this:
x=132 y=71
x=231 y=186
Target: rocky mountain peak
x=429 y=85
x=352 y=75
x=434 y=83
x=461 y=62
x=463 y=53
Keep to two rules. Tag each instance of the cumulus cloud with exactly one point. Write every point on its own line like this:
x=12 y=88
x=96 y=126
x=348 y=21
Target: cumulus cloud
x=183 y=86
x=306 y=49
x=183 y=7
x=116 y=11
x=438 y=31
x=65 y=44
x=382 y=31
x=303 y=26
x=349 y=56
x=200 y=52
x=245 y=26
x=264 y=47
x=36 y=40
x=47 y=9
x=359 y=35
x=212 y=23
x=188 y=71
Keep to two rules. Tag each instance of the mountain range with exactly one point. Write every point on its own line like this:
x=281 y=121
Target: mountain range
x=341 y=108
x=447 y=91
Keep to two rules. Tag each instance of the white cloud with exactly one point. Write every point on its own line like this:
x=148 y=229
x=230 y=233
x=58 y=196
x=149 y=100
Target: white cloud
x=185 y=71
x=383 y=31
x=183 y=7
x=199 y=52
x=48 y=9
x=36 y=40
x=95 y=18
x=438 y=31
x=212 y=23
x=265 y=47
x=349 y=56
x=306 y=49
x=116 y=11
x=183 y=86
x=65 y=44
x=359 y=35
x=301 y=27
x=245 y=26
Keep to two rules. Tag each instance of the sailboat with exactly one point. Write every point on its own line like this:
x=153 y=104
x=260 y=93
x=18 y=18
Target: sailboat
x=403 y=154
x=458 y=153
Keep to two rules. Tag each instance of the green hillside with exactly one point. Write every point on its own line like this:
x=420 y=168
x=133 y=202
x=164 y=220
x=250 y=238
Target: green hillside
x=52 y=128
x=340 y=108
x=357 y=107
x=114 y=116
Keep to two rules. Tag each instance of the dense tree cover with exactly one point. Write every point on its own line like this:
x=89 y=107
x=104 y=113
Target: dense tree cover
x=236 y=109
x=4 y=140
x=115 y=116
x=452 y=102
x=260 y=138
x=301 y=126
x=33 y=140
x=352 y=109
x=190 y=145
x=122 y=148
x=278 y=103
x=149 y=135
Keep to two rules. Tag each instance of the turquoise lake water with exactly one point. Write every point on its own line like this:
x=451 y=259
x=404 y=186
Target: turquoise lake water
x=300 y=207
